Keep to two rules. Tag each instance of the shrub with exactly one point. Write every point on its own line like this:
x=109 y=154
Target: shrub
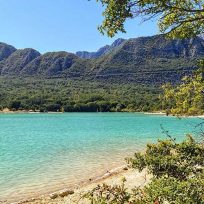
x=178 y=176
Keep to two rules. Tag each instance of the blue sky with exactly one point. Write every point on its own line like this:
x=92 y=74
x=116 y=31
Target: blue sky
x=54 y=25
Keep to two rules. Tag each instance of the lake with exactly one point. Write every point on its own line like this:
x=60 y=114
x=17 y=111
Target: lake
x=40 y=153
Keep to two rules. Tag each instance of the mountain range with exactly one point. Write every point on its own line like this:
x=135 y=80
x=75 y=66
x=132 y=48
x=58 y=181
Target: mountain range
x=102 y=51
x=145 y=60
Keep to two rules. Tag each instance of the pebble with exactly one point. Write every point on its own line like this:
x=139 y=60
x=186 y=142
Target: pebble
x=65 y=192
x=53 y=195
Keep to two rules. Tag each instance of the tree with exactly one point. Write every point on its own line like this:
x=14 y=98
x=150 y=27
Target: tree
x=186 y=98
x=15 y=105
x=177 y=18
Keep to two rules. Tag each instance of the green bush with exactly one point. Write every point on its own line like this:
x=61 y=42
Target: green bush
x=178 y=176
x=186 y=98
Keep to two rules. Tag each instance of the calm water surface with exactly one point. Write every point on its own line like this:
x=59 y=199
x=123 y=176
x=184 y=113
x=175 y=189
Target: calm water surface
x=44 y=152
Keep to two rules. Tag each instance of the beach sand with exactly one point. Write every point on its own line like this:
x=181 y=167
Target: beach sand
x=114 y=177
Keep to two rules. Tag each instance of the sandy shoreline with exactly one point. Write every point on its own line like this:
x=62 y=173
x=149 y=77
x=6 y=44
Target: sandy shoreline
x=159 y=113
x=113 y=177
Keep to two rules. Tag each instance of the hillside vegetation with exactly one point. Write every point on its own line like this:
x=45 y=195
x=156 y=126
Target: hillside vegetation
x=74 y=95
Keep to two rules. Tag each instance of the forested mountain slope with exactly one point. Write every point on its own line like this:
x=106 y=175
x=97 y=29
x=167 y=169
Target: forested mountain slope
x=143 y=60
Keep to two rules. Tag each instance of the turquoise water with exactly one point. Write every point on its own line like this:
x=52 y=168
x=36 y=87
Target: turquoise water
x=44 y=152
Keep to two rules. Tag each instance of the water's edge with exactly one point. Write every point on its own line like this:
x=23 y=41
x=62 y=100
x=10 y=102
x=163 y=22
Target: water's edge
x=45 y=193
x=42 y=153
